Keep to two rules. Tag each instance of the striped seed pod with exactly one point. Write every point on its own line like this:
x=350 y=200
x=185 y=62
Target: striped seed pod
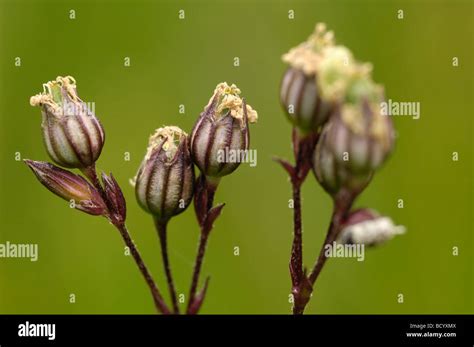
x=301 y=94
x=220 y=137
x=73 y=136
x=333 y=175
x=69 y=186
x=164 y=183
x=354 y=143
x=301 y=98
x=360 y=137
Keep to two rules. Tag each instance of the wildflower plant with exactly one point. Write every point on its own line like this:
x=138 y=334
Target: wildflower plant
x=165 y=184
x=224 y=124
x=74 y=138
x=339 y=133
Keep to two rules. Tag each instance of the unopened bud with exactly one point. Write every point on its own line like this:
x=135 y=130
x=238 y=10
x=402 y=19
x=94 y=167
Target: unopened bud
x=68 y=186
x=222 y=127
x=73 y=136
x=164 y=183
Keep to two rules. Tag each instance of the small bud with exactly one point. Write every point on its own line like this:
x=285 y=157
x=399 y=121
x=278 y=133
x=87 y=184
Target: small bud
x=223 y=126
x=72 y=134
x=367 y=227
x=115 y=197
x=68 y=186
x=164 y=183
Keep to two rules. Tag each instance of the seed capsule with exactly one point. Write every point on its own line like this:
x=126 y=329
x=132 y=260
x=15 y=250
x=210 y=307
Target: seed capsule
x=301 y=99
x=73 y=136
x=221 y=129
x=333 y=175
x=360 y=137
x=165 y=181
x=367 y=227
x=300 y=91
x=68 y=186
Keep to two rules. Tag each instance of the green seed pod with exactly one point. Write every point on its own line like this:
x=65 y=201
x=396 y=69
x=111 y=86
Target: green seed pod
x=164 y=183
x=73 y=136
x=222 y=128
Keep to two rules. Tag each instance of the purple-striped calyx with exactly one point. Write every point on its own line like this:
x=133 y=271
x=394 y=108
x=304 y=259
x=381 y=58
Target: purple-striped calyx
x=333 y=175
x=360 y=137
x=222 y=128
x=321 y=76
x=71 y=187
x=73 y=136
x=301 y=94
x=357 y=138
x=352 y=146
x=164 y=183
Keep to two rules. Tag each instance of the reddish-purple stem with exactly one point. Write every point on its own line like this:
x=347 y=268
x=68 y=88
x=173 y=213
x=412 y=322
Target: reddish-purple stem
x=160 y=304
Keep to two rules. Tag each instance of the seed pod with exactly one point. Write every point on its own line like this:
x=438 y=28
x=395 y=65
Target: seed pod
x=68 y=186
x=301 y=99
x=73 y=136
x=321 y=76
x=222 y=129
x=367 y=227
x=164 y=183
x=333 y=175
x=360 y=137
x=300 y=91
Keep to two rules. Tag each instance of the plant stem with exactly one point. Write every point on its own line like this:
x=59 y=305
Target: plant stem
x=160 y=304
x=157 y=298
x=197 y=268
x=296 y=261
x=303 y=147
x=341 y=207
x=91 y=173
x=161 y=228
x=206 y=214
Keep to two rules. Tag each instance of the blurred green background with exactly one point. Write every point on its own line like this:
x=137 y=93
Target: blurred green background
x=177 y=62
